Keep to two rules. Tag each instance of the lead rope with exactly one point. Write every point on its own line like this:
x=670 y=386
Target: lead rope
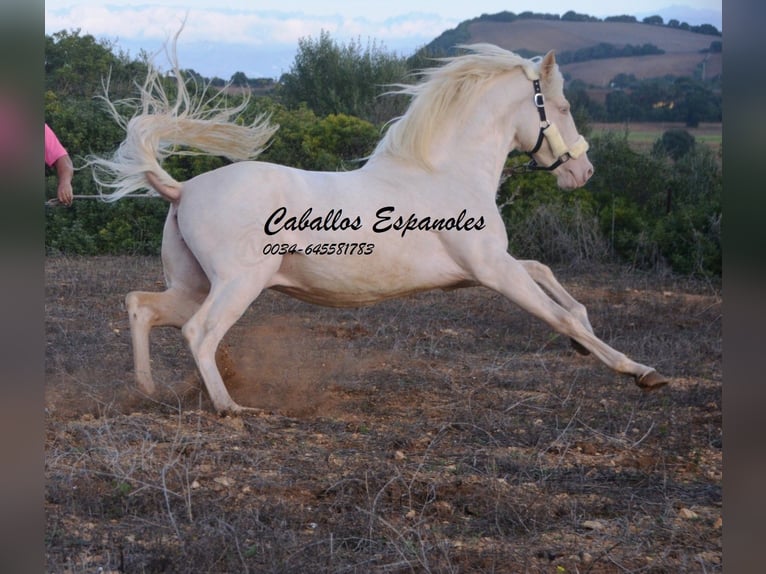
x=54 y=201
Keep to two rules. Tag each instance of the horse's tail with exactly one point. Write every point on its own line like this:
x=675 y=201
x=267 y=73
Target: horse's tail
x=201 y=124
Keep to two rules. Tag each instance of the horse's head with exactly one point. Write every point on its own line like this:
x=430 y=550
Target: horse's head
x=557 y=147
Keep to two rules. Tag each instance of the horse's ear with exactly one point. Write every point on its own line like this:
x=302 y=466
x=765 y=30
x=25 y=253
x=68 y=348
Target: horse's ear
x=548 y=65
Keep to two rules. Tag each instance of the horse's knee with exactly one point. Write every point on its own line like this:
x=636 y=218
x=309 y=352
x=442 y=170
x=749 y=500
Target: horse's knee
x=581 y=312
x=132 y=301
x=191 y=334
x=539 y=271
x=138 y=310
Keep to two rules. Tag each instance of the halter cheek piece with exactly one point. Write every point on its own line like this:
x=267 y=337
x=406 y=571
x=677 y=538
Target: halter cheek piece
x=550 y=132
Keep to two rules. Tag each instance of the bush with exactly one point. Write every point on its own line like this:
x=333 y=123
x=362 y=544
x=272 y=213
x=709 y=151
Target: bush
x=689 y=233
x=336 y=142
x=549 y=225
x=332 y=78
x=675 y=143
x=656 y=211
x=92 y=227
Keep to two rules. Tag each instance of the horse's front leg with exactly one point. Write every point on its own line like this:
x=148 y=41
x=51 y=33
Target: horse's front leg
x=544 y=277
x=173 y=307
x=504 y=274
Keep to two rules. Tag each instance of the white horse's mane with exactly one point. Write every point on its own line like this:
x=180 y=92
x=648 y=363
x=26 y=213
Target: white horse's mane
x=447 y=90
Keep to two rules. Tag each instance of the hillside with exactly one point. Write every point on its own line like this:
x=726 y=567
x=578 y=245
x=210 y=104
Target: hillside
x=685 y=51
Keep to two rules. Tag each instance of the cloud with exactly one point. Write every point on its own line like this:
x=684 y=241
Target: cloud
x=225 y=26
x=221 y=41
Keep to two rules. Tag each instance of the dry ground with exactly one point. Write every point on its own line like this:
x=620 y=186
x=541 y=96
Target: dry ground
x=643 y=135
x=447 y=432
x=683 y=49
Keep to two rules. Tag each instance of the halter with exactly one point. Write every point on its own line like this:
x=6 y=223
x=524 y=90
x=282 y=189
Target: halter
x=550 y=132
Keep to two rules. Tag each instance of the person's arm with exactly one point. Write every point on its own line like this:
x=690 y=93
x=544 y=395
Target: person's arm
x=65 y=171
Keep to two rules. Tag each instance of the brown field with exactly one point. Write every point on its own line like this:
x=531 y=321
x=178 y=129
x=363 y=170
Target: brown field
x=446 y=432
x=602 y=72
x=543 y=35
x=682 y=49
x=642 y=135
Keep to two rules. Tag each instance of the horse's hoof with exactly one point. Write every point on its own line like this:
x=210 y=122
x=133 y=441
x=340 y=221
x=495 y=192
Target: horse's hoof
x=236 y=410
x=651 y=381
x=579 y=348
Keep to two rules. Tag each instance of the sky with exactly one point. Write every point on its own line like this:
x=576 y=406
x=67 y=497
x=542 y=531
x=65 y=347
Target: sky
x=260 y=37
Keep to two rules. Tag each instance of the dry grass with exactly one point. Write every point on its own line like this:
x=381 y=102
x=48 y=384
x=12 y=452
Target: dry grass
x=448 y=432
x=683 y=49
x=562 y=35
x=643 y=135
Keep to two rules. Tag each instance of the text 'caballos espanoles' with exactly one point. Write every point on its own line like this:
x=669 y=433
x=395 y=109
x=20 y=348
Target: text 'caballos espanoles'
x=386 y=220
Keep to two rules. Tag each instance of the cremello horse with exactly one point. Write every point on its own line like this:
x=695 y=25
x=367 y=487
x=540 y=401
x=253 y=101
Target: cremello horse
x=420 y=214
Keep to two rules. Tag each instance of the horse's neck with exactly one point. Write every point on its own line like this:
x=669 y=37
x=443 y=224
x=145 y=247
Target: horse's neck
x=480 y=143
x=470 y=148
x=471 y=165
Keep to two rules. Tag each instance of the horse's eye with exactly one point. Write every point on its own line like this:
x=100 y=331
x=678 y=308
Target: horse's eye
x=565 y=110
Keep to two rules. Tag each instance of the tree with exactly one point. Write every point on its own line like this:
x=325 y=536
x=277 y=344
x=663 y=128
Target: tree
x=623 y=81
x=628 y=187
x=619 y=107
x=653 y=20
x=545 y=224
x=572 y=16
x=331 y=78
x=708 y=29
x=584 y=110
x=239 y=79
x=675 y=143
x=76 y=66
x=632 y=192
x=306 y=141
x=688 y=235
x=621 y=18
x=696 y=103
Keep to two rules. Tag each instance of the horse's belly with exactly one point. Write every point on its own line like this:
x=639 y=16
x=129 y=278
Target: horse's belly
x=347 y=281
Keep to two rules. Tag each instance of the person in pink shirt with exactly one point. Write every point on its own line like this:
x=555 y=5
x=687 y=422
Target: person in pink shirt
x=57 y=156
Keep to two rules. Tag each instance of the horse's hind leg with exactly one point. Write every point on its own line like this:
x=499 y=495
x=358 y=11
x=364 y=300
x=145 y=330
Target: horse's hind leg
x=225 y=304
x=187 y=287
x=543 y=276
x=173 y=307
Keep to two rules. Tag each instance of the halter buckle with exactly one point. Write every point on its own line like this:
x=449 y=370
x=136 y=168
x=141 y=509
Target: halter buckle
x=539 y=100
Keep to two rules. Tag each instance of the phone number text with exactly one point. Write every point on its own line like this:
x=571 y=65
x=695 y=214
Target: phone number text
x=319 y=249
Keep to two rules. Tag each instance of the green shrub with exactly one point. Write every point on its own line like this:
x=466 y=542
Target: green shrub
x=548 y=224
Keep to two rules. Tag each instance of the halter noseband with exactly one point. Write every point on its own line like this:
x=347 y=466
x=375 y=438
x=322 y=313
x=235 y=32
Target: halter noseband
x=550 y=132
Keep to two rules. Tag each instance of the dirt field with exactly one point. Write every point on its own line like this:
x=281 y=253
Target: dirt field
x=643 y=135
x=562 y=35
x=447 y=432
x=683 y=49
x=602 y=72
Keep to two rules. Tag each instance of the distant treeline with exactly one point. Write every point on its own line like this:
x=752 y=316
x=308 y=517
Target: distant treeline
x=573 y=16
x=603 y=50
